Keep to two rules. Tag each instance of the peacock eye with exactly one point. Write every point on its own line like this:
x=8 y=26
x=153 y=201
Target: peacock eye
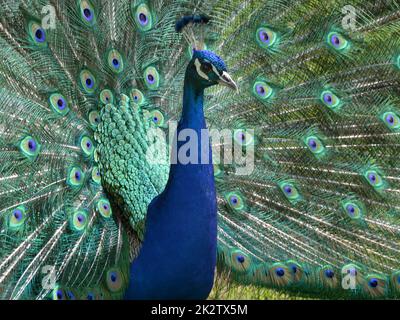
x=37 y=34
x=59 y=104
x=290 y=191
x=137 y=96
x=337 y=41
x=96 y=177
x=262 y=90
x=314 y=145
x=88 y=81
x=243 y=137
x=353 y=210
x=58 y=293
x=143 y=17
x=87 y=12
x=152 y=78
x=206 y=67
x=87 y=146
x=235 y=201
x=29 y=147
x=330 y=99
x=114 y=280
x=329 y=273
x=265 y=37
x=376 y=285
x=374 y=179
x=240 y=261
x=94 y=118
x=391 y=120
x=17 y=217
x=157 y=118
x=115 y=61
x=104 y=207
x=79 y=220
x=75 y=177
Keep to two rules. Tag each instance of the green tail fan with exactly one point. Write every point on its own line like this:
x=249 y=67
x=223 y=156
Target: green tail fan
x=317 y=112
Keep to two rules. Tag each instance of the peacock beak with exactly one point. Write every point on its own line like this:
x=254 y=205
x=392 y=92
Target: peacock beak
x=226 y=80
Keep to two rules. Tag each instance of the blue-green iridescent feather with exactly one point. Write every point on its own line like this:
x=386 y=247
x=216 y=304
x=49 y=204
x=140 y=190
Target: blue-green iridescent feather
x=77 y=103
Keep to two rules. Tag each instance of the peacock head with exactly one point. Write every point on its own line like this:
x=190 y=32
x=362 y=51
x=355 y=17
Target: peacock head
x=207 y=69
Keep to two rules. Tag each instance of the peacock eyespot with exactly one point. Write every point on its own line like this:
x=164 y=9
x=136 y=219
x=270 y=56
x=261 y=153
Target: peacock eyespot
x=79 y=220
x=290 y=191
x=374 y=179
x=315 y=145
x=157 y=118
x=137 y=96
x=40 y=35
x=88 y=81
x=337 y=41
x=17 y=217
x=143 y=17
x=114 y=280
x=294 y=268
x=94 y=118
x=329 y=273
x=240 y=261
x=152 y=78
x=17 y=214
x=330 y=99
x=96 y=175
x=106 y=96
x=37 y=33
x=243 y=137
x=87 y=12
x=312 y=143
x=280 y=272
x=87 y=146
x=391 y=120
x=115 y=61
x=104 y=208
x=58 y=104
x=70 y=295
x=75 y=177
x=265 y=37
x=353 y=210
x=235 y=201
x=373 y=283
x=262 y=90
x=29 y=147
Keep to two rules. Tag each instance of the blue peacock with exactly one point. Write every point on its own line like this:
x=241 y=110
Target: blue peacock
x=311 y=94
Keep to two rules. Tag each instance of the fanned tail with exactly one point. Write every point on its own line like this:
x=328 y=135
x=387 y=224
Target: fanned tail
x=320 y=210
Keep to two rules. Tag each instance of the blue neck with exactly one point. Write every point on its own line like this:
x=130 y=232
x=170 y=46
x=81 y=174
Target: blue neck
x=178 y=256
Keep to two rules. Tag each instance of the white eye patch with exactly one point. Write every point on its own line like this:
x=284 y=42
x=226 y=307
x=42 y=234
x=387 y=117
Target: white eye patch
x=197 y=63
x=198 y=69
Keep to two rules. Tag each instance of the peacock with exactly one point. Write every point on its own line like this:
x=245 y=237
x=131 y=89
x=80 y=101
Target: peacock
x=149 y=146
